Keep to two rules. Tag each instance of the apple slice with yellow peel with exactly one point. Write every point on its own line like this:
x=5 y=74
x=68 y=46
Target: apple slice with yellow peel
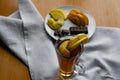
x=76 y=44
x=57 y=19
x=72 y=41
x=55 y=25
x=51 y=23
x=81 y=36
x=76 y=41
x=58 y=14
x=63 y=49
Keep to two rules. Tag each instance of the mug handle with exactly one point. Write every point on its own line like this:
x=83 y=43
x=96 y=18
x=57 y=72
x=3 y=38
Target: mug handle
x=79 y=67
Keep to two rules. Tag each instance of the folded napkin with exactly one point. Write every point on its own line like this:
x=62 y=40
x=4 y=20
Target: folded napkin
x=23 y=33
x=28 y=40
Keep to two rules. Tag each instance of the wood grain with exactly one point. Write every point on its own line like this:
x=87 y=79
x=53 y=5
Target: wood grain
x=105 y=12
x=12 y=68
x=7 y=7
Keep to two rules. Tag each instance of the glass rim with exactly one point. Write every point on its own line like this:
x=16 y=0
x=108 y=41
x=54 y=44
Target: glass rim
x=57 y=44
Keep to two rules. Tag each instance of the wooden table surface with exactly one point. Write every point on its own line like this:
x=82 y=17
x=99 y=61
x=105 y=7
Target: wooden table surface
x=105 y=12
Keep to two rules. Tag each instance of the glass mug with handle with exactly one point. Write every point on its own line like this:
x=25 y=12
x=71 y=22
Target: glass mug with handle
x=68 y=53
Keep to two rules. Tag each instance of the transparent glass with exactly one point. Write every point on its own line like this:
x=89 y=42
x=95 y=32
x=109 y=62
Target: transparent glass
x=69 y=66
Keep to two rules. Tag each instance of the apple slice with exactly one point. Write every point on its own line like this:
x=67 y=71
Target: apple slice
x=63 y=49
x=76 y=41
x=55 y=25
x=58 y=14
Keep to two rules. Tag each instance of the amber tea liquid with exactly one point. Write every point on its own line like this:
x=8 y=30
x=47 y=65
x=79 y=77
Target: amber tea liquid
x=67 y=63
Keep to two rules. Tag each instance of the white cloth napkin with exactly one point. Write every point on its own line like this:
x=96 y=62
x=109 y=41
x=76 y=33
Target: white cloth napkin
x=23 y=33
x=101 y=56
x=28 y=40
